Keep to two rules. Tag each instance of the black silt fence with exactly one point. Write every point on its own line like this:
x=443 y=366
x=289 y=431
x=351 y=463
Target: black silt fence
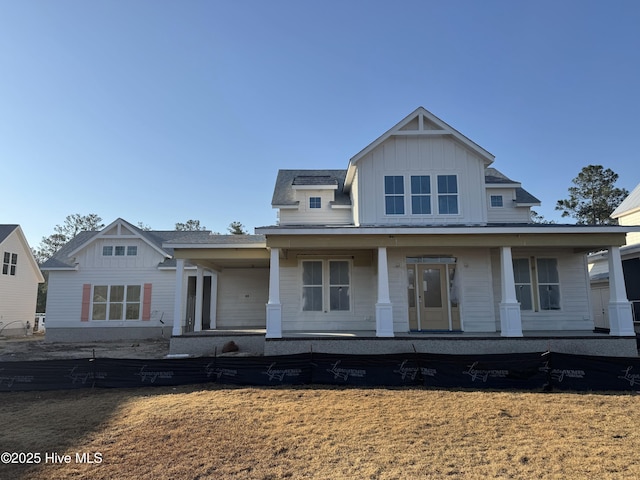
x=529 y=371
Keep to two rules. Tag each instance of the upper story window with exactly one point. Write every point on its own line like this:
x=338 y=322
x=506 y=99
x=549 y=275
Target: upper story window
x=421 y=194
x=119 y=251
x=394 y=194
x=448 y=194
x=496 y=201
x=9 y=263
x=315 y=202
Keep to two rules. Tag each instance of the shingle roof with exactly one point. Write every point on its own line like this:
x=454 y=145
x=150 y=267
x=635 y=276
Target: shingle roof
x=495 y=177
x=61 y=258
x=283 y=193
x=5 y=231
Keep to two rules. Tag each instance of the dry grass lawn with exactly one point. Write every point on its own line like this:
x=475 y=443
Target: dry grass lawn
x=212 y=432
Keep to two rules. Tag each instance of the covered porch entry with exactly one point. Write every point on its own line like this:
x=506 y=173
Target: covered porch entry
x=221 y=284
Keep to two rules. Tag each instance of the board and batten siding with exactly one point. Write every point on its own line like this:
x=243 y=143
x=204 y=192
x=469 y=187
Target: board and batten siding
x=242 y=295
x=414 y=155
x=575 y=309
x=64 y=299
x=19 y=292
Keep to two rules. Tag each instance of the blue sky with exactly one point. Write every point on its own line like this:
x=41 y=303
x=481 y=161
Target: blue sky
x=163 y=111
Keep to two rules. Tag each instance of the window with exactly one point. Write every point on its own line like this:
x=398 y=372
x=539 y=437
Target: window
x=447 y=194
x=339 y=285
x=119 y=251
x=394 y=195
x=548 y=283
x=116 y=302
x=522 y=277
x=9 y=263
x=420 y=194
x=496 y=201
x=312 y=286
x=314 y=202
x=326 y=285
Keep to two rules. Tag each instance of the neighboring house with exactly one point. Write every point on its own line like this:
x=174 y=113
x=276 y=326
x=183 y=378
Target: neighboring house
x=19 y=279
x=627 y=213
x=418 y=238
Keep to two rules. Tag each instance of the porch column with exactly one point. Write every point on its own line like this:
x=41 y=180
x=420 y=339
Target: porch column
x=510 y=319
x=384 y=309
x=620 y=317
x=197 y=324
x=177 y=304
x=274 y=308
x=214 y=300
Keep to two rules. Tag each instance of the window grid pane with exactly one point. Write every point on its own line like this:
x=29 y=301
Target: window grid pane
x=119 y=251
x=107 y=251
x=394 y=194
x=132 y=250
x=314 y=202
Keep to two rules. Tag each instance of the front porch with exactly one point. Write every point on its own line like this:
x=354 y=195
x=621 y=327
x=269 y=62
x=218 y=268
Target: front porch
x=365 y=342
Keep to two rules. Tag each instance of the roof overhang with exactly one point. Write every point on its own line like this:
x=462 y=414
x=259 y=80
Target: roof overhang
x=581 y=239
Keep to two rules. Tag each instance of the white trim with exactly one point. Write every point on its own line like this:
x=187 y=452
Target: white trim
x=452 y=230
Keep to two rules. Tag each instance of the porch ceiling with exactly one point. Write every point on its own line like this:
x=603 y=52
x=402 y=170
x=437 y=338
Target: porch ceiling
x=218 y=259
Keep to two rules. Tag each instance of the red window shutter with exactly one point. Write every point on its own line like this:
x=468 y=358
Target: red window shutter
x=146 y=302
x=86 y=302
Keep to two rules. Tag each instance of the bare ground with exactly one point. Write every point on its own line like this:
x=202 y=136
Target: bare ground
x=34 y=347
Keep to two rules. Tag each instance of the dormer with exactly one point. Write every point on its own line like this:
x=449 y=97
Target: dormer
x=312 y=197
x=507 y=201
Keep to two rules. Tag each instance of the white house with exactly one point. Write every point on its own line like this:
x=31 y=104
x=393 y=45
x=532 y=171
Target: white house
x=628 y=214
x=119 y=283
x=19 y=279
x=419 y=240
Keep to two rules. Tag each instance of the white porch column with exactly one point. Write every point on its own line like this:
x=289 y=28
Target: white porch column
x=274 y=308
x=510 y=319
x=384 y=309
x=620 y=317
x=177 y=304
x=214 y=300
x=197 y=324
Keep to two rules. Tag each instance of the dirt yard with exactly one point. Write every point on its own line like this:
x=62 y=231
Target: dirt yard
x=34 y=347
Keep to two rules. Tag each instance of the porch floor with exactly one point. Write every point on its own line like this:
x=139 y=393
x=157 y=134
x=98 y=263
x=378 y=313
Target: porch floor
x=252 y=341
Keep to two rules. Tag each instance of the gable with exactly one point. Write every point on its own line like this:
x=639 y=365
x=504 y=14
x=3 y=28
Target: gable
x=419 y=123
x=629 y=205
x=13 y=241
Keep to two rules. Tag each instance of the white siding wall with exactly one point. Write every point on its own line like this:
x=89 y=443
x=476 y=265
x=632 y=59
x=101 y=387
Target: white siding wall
x=325 y=215
x=242 y=295
x=18 y=293
x=64 y=299
x=508 y=213
x=631 y=219
x=473 y=266
x=421 y=156
x=575 y=312
x=361 y=316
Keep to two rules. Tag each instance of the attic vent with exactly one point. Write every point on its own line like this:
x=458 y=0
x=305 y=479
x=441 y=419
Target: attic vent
x=315 y=180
